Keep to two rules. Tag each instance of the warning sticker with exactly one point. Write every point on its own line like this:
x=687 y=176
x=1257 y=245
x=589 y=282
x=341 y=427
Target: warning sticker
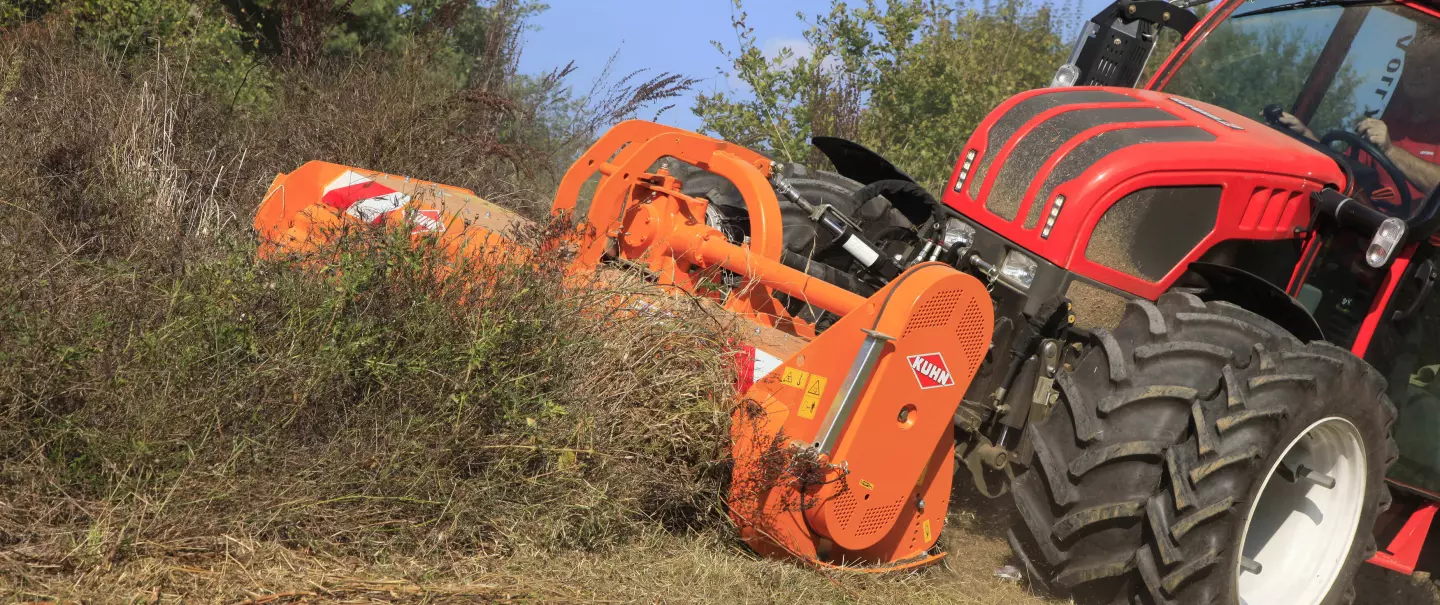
x=426 y=220
x=925 y=528
x=930 y=370
x=795 y=378
x=808 y=405
x=814 y=388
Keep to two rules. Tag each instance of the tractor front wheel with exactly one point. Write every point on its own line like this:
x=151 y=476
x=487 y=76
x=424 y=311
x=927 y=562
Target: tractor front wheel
x=1201 y=454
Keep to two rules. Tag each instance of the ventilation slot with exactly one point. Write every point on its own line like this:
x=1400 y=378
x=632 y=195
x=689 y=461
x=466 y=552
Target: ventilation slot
x=935 y=312
x=971 y=334
x=1269 y=208
x=877 y=519
x=844 y=508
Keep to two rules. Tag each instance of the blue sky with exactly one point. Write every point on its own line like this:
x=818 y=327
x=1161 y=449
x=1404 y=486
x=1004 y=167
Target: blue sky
x=671 y=35
x=663 y=35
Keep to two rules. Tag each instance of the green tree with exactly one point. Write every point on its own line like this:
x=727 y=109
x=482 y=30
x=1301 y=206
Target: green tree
x=211 y=46
x=909 y=78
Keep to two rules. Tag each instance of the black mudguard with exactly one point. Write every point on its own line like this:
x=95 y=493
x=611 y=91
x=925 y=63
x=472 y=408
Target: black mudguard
x=880 y=177
x=1253 y=293
x=857 y=162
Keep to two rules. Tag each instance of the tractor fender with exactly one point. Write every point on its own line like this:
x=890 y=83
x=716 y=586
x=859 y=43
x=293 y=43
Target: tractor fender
x=879 y=176
x=858 y=162
x=1251 y=292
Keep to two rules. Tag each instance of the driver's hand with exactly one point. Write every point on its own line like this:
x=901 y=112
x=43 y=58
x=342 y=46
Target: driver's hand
x=1294 y=123
x=1376 y=132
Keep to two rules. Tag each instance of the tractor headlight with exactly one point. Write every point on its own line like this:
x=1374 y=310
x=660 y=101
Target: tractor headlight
x=958 y=231
x=965 y=170
x=1065 y=76
x=1387 y=239
x=1018 y=268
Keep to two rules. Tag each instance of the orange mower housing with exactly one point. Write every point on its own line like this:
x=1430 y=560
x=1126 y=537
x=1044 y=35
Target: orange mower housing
x=842 y=439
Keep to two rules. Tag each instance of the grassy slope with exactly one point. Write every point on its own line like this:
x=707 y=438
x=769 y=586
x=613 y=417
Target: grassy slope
x=181 y=424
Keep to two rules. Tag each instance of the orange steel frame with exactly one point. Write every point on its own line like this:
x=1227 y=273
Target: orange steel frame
x=644 y=216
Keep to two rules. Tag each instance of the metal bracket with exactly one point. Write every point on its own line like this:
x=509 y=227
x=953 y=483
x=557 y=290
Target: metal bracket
x=1049 y=365
x=855 y=381
x=985 y=454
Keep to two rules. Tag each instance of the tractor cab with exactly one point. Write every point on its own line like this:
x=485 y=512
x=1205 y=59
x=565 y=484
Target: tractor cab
x=1324 y=69
x=1327 y=72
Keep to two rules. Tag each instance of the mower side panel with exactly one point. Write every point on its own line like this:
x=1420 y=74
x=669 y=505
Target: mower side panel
x=881 y=493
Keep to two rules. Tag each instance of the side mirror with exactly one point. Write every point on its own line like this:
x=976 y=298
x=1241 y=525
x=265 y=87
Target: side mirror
x=1116 y=43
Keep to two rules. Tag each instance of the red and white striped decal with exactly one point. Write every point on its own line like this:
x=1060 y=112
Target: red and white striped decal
x=359 y=196
x=751 y=365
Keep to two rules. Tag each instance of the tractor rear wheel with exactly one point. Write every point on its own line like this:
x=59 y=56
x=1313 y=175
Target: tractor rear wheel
x=1199 y=454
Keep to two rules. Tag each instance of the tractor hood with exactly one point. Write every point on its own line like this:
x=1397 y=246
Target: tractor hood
x=1047 y=167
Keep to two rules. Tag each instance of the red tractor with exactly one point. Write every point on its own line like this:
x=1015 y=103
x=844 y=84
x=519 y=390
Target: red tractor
x=1199 y=303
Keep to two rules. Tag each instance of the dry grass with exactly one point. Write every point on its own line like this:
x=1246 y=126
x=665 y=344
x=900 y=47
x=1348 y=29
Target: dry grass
x=657 y=567
x=166 y=399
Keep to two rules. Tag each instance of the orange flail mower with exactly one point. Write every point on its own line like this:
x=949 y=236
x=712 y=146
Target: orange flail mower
x=842 y=437
x=1168 y=318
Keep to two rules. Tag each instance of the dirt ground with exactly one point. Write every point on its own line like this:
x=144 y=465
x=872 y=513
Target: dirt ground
x=1379 y=586
x=659 y=568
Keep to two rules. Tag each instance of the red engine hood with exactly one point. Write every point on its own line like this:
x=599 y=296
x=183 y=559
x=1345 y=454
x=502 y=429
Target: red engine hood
x=1092 y=146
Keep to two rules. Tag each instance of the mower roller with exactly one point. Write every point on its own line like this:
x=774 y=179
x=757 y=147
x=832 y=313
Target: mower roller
x=842 y=442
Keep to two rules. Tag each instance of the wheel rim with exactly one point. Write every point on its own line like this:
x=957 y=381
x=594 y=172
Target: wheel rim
x=1299 y=532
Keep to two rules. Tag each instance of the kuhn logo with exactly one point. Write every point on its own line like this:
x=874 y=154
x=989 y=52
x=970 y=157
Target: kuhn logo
x=931 y=371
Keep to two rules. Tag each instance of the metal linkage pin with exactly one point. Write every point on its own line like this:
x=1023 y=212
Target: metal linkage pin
x=1314 y=476
x=1250 y=565
x=1305 y=473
